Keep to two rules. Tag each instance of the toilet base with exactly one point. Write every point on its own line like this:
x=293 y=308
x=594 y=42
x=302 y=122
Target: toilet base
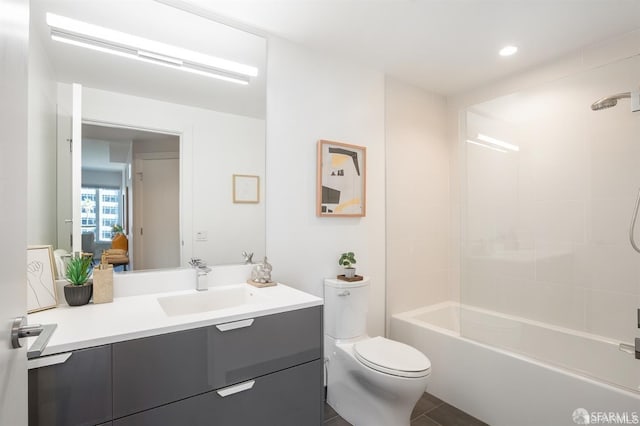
x=365 y=397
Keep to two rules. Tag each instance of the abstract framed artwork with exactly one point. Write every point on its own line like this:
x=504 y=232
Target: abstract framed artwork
x=41 y=287
x=341 y=180
x=246 y=189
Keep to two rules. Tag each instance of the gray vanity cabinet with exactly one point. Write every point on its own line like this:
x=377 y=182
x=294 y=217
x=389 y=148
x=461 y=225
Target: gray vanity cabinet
x=292 y=397
x=265 y=370
x=158 y=370
x=74 y=392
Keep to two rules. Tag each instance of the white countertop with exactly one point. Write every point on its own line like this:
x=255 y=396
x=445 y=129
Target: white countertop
x=139 y=316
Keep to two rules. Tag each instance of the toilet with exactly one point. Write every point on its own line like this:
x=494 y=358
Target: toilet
x=371 y=381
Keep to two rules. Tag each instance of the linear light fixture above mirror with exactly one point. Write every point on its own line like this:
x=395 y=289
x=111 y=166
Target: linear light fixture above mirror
x=106 y=40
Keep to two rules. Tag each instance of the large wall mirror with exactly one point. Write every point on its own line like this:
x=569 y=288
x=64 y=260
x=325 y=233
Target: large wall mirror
x=121 y=135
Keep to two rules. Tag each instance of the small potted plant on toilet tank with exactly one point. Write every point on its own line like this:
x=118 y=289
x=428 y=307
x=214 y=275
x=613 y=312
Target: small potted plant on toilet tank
x=346 y=261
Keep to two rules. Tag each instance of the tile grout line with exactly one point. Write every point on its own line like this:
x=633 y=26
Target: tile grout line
x=426 y=417
x=424 y=414
x=434 y=420
x=329 y=419
x=455 y=408
x=437 y=406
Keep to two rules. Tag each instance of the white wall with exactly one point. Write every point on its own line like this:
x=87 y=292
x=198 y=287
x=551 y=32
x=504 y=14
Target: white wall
x=418 y=232
x=311 y=97
x=103 y=178
x=546 y=229
x=224 y=147
x=155 y=145
x=214 y=146
x=41 y=167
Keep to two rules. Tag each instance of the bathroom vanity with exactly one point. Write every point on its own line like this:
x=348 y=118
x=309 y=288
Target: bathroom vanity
x=258 y=362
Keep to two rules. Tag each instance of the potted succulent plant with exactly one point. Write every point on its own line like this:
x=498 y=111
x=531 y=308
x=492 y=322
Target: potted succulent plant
x=346 y=261
x=79 y=290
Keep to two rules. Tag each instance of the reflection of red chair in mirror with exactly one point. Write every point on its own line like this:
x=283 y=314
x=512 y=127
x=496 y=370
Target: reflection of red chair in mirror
x=118 y=254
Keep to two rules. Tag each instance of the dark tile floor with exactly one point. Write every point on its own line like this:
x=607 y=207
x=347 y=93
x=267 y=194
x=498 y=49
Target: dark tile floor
x=429 y=411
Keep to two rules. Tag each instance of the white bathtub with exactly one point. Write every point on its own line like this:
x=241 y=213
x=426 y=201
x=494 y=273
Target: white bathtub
x=484 y=376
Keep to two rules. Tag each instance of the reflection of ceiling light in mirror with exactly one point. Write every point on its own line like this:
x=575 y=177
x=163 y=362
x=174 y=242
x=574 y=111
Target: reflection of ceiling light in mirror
x=105 y=40
x=498 y=142
x=486 y=146
x=508 y=50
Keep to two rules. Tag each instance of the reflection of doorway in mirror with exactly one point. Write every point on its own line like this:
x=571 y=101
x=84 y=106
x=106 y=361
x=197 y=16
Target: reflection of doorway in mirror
x=156 y=211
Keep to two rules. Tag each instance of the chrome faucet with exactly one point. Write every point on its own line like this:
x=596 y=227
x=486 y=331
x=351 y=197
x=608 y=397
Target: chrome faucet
x=202 y=270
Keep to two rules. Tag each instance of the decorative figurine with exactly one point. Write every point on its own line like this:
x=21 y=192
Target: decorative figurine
x=261 y=274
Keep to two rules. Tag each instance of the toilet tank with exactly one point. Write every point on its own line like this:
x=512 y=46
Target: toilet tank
x=345 y=308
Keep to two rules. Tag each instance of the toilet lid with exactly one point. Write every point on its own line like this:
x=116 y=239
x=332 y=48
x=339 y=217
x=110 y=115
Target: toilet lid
x=388 y=356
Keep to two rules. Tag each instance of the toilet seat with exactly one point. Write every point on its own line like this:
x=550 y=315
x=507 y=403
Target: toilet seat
x=390 y=357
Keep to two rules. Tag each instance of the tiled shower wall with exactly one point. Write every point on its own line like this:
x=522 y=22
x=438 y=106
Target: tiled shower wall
x=418 y=237
x=544 y=229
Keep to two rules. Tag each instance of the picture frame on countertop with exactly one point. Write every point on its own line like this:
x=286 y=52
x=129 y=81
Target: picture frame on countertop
x=41 y=287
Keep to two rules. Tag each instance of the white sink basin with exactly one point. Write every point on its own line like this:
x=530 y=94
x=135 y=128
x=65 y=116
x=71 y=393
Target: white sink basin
x=210 y=300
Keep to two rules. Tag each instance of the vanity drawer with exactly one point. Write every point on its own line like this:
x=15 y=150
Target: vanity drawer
x=290 y=397
x=268 y=344
x=74 y=391
x=157 y=370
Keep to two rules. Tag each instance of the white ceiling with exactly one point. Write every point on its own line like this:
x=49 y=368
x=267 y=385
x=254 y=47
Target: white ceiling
x=445 y=46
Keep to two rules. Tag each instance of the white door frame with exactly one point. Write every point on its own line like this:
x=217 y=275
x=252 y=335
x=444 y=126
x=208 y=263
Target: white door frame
x=76 y=168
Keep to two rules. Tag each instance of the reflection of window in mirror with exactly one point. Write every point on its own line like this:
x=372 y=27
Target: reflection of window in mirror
x=100 y=211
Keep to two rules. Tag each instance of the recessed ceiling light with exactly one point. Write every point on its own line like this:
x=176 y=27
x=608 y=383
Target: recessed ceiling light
x=508 y=50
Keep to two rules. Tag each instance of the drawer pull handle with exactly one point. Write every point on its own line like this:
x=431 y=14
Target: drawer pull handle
x=46 y=361
x=236 y=388
x=234 y=325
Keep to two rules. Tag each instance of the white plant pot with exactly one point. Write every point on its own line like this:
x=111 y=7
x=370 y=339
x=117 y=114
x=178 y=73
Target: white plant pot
x=349 y=272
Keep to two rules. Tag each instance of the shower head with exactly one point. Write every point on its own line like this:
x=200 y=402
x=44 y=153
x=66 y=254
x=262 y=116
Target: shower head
x=609 y=101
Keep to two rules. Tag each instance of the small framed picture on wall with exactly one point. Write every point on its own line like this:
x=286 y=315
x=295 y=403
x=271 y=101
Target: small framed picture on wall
x=246 y=189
